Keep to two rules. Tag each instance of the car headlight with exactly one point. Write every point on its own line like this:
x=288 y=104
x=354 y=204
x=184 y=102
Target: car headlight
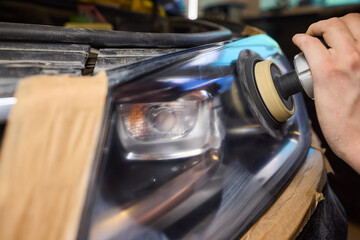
x=185 y=157
x=169 y=130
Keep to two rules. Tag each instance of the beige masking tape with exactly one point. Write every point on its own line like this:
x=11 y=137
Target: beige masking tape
x=316 y=144
x=289 y=214
x=251 y=31
x=47 y=154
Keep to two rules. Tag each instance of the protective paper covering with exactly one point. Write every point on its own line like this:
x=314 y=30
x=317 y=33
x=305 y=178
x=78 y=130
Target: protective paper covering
x=47 y=155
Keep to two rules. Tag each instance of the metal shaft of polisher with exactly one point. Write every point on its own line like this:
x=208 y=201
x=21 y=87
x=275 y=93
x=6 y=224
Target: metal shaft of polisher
x=298 y=79
x=288 y=84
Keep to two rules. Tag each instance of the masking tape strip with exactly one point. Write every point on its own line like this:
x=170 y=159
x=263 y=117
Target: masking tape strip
x=47 y=155
x=251 y=31
x=316 y=144
x=292 y=210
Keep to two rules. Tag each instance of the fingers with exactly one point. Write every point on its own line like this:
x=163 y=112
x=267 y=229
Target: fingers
x=335 y=32
x=352 y=21
x=315 y=52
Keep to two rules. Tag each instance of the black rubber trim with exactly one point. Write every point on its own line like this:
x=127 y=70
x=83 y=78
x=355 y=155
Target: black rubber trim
x=329 y=220
x=103 y=38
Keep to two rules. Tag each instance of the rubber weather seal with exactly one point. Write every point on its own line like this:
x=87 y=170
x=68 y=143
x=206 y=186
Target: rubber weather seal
x=103 y=38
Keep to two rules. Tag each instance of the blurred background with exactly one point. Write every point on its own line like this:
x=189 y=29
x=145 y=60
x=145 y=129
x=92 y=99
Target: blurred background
x=280 y=19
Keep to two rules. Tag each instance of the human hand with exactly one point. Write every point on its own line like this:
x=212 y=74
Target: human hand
x=336 y=79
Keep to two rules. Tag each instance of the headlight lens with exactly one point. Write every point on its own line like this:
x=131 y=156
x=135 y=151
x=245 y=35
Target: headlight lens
x=168 y=130
x=159 y=121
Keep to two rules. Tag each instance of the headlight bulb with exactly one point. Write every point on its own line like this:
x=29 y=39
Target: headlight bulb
x=162 y=119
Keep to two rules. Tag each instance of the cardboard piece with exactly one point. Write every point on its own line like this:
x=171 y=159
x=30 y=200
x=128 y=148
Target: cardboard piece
x=47 y=154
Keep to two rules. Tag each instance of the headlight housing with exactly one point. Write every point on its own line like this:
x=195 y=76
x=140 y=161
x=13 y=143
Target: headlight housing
x=169 y=130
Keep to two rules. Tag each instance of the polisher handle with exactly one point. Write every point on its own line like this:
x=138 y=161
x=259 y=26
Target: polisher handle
x=304 y=74
x=303 y=71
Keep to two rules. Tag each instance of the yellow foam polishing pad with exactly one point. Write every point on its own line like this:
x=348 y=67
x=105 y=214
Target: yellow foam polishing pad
x=268 y=92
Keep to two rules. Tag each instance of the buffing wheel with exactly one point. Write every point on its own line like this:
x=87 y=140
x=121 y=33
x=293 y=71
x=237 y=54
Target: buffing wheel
x=279 y=108
x=247 y=85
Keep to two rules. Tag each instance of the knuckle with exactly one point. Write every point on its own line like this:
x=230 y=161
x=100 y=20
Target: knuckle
x=329 y=67
x=334 y=74
x=353 y=55
x=314 y=25
x=352 y=17
x=334 y=22
x=307 y=41
x=354 y=60
x=347 y=63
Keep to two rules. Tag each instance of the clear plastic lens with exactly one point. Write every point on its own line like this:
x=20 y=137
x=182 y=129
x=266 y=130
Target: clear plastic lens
x=162 y=119
x=169 y=130
x=159 y=121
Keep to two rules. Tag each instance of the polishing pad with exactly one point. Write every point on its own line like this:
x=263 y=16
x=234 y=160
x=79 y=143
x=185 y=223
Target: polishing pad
x=278 y=108
x=247 y=85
